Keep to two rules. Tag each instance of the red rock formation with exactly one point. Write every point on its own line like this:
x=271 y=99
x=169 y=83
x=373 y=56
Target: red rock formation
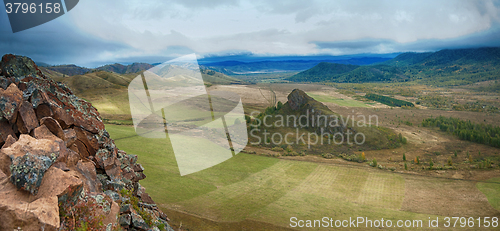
x=57 y=159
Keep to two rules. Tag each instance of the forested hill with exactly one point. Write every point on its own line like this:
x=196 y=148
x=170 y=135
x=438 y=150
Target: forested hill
x=322 y=71
x=444 y=67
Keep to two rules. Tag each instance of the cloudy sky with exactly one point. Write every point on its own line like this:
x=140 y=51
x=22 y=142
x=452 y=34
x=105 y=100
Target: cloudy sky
x=97 y=32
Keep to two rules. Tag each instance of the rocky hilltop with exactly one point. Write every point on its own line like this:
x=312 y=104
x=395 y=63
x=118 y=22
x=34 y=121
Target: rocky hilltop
x=59 y=169
x=299 y=103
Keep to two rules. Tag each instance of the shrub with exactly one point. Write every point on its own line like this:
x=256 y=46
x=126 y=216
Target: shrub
x=417 y=160
x=374 y=162
x=279 y=105
x=455 y=153
x=327 y=156
x=363 y=158
x=277 y=149
x=450 y=163
x=404 y=157
x=406 y=166
x=81 y=215
x=431 y=164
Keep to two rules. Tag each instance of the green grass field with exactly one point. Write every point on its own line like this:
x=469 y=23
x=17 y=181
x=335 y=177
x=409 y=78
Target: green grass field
x=491 y=189
x=251 y=187
x=340 y=102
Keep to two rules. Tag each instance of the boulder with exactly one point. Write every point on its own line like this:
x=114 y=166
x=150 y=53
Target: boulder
x=43 y=110
x=43 y=132
x=53 y=127
x=14 y=66
x=10 y=101
x=30 y=159
x=26 y=120
x=67 y=186
x=17 y=210
x=70 y=136
x=27 y=171
x=88 y=175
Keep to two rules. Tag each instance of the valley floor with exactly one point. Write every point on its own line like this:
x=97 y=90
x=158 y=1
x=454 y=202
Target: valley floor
x=256 y=192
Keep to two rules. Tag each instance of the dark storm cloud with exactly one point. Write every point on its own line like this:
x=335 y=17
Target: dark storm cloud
x=98 y=32
x=54 y=42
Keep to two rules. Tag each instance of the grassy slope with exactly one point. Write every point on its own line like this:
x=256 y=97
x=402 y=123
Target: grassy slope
x=107 y=91
x=265 y=189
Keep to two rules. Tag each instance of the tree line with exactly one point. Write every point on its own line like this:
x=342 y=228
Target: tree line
x=388 y=100
x=466 y=130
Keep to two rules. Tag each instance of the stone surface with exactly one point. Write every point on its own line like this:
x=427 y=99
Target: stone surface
x=124 y=220
x=9 y=141
x=88 y=172
x=27 y=171
x=43 y=212
x=43 y=132
x=64 y=119
x=26 y=120
x=65 y=185
x=53 y=127
x=70 y=135
x=10 y=101
x=5 y=131
x=138 y=222
x=297 y=98
x=43 y=110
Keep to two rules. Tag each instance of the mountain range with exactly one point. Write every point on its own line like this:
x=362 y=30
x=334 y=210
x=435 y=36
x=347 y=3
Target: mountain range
x=238 y=67
x=444 y=67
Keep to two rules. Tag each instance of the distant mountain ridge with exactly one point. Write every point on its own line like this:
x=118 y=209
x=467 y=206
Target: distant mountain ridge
x=72 y=69
x=126 y=69
x=444 y=67
x=238 y=67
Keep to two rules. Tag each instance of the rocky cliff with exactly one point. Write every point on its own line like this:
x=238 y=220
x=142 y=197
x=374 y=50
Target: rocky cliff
x=59 y=169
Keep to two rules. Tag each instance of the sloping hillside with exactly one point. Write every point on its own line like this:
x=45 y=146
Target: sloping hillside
x=445 y=67
x=322 y=71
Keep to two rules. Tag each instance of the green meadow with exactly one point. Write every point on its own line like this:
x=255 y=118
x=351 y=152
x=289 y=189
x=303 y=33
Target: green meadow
x=264 y=189
x=338 y=101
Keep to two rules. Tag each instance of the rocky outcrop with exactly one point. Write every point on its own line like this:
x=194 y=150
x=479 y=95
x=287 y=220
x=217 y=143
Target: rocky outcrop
x=59 y=169
x=320 y=118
